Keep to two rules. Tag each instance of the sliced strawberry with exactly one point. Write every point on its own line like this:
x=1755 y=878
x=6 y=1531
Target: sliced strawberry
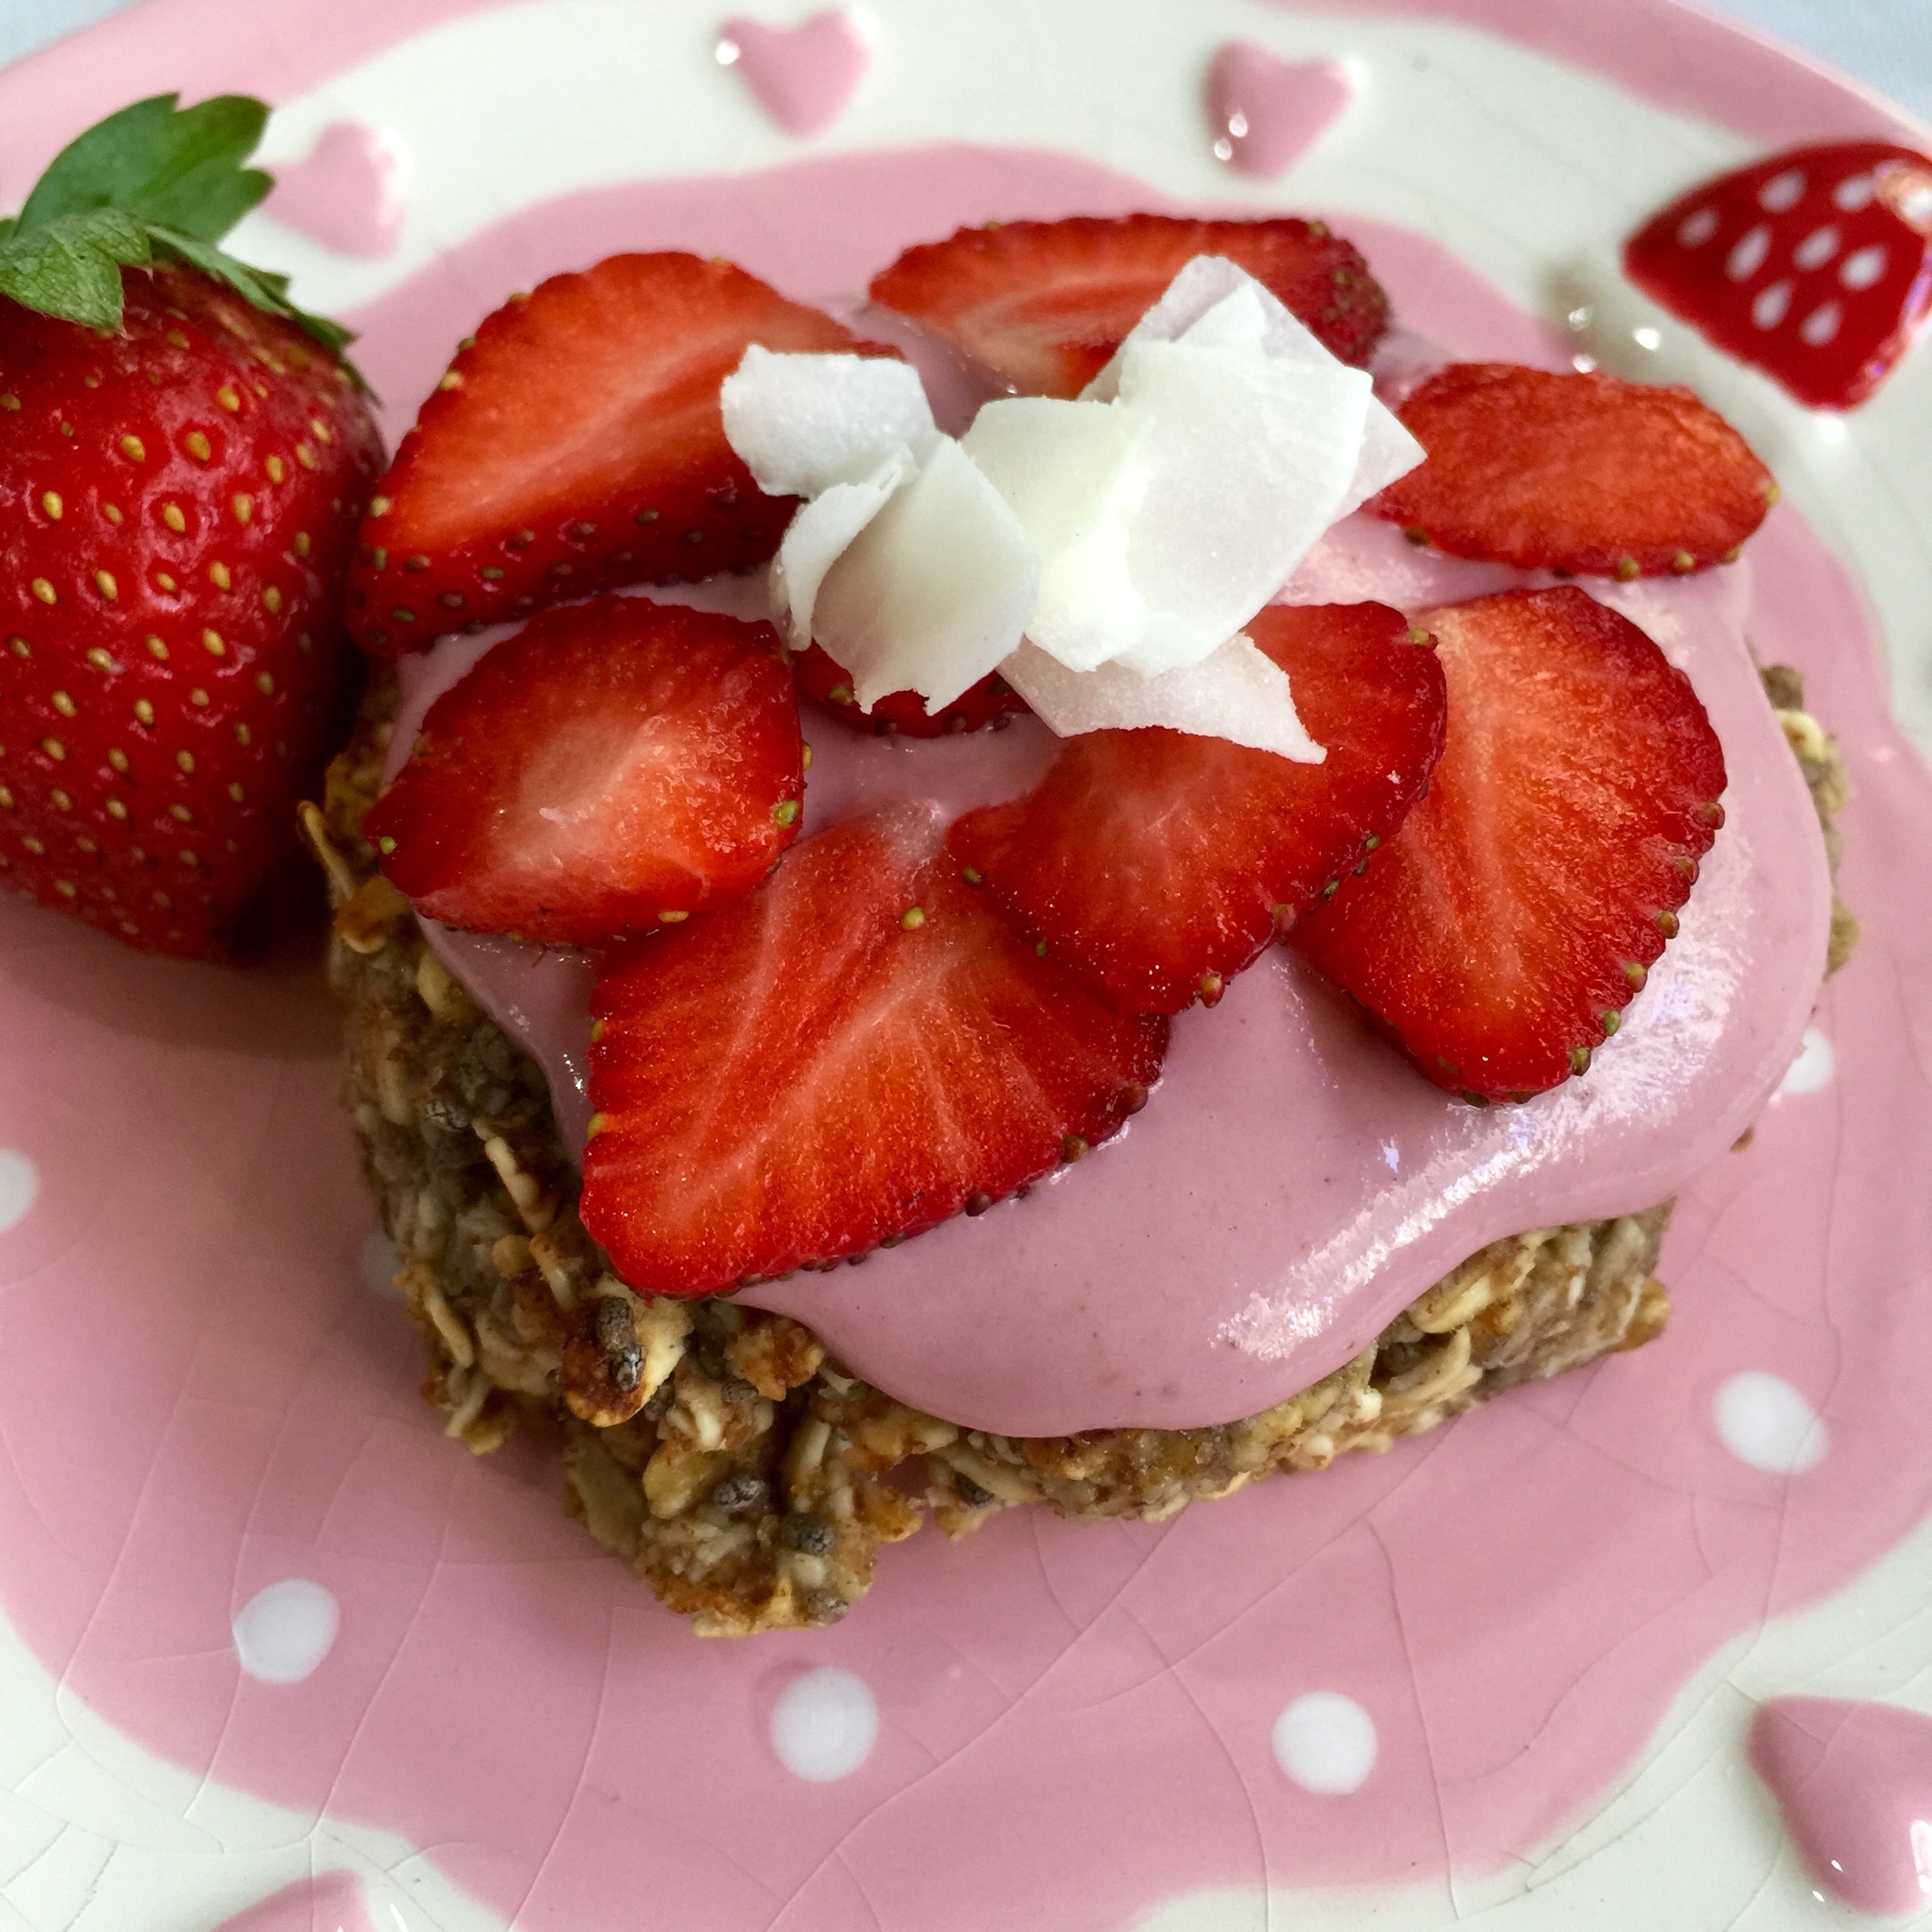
x=991 y=702
x=615 y=765
x=855 y=1053
x=1500 y=932
x=1043 y=304
x=576 y=443
x=1159 y=864
x=1814 y=265
x=1576 y=472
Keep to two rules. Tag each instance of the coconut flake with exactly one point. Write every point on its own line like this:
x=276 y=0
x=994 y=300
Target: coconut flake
x=1238 y=693
x=1073 y=474
x=820 y=532
x=935 y=589
x=803 y=424
x=1217 y=303
x=1247 y=460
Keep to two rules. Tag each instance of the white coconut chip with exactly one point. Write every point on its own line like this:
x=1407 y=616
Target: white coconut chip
x=1198 y=304
x=802 y=423
x=1239 y=693
x=935 y=591
x=820 y=532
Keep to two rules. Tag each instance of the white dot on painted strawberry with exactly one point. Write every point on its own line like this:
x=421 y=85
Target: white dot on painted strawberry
x=1325 y=1743
x=281 y=1633
x=19 y=1187
x=1813 y=1068
x=824 y=1724
x=1767 y=1423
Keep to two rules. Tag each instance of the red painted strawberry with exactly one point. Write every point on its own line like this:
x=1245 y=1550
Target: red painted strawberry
x=857 y=1051
x=576 y=443
x=615 y=766
x=1814 y=265
x=1042 y=306
x=989 y=703
x=1579 y=473
x=1499 y=934
x=182 y=458
x=1159 y=864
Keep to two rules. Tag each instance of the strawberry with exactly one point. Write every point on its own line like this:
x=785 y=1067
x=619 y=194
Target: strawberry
x=1500 y=932
x=181 y=460
x=990 y=702
x=1575 y=473
x=853 y=1054
x=1814 y=265
x=1042 y=306
x=614 y=766
x=1159 y=864
x=576 y=443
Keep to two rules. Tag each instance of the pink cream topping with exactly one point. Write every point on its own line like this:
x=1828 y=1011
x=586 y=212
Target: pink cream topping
x=1294 y=1183
x=1854 y=1782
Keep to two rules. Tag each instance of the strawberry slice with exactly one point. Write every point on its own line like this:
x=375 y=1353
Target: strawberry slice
x=853 y=1054
x=1574 y=472
x=1814 y=265
x=1158 y=865
x=615 y=766
x=1500 y=932
x=990 y=702
x=576 y=443
x=1042 y=306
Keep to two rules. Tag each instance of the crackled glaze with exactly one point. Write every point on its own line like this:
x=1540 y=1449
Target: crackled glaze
x=198 y=1399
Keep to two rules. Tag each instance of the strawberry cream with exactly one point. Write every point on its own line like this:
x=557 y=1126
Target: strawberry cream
x=1294 y=1183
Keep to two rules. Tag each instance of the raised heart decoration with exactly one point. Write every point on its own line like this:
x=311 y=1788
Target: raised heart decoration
x=1266 y=112
x=350 y=193
x=332 y=1903
x=803 y=76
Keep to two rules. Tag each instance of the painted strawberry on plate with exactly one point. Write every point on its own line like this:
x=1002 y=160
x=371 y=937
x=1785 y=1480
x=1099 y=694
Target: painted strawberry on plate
x=182 y=457
x=1814 y=265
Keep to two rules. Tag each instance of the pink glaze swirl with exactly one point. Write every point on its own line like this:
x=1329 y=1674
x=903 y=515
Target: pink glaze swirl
x=1294 y=1183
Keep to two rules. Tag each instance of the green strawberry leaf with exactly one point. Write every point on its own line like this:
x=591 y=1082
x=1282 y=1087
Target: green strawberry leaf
x=71 y=267
x=175 y=167
x=265 y=290
x=156 y=179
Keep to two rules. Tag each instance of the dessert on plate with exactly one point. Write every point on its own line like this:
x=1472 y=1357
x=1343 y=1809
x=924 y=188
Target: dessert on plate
x=1235 y=891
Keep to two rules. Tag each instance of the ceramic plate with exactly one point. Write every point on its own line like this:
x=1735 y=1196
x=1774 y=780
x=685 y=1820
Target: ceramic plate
x=271 y=1646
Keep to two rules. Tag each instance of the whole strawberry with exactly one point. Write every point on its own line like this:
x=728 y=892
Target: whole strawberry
x=183 y=458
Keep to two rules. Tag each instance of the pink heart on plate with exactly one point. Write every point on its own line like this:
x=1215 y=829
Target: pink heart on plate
x=803 y=76
x=335 y=1901
x=349 y=194
x=1265 y=111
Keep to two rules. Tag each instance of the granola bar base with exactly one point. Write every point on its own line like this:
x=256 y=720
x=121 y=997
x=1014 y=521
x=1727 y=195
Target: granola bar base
x=718 y=1449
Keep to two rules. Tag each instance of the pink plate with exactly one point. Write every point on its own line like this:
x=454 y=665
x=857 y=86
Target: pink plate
x=255 y=1605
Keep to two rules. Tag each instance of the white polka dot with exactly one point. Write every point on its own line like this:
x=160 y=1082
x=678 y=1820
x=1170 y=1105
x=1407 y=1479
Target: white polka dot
x=1326 y=1743
x=19 y=1187
x=1822 y=324
x=1862 y=269
x=1748 y=254
x=1695 y=230
x=1782 y=191
x=379 y=1265
x=824 y=1724
x=1765 y=1422
x=1853 y=193
x=1813 y=1068
x=1769 y=310
x=283 y=1633
x=1817 y=248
